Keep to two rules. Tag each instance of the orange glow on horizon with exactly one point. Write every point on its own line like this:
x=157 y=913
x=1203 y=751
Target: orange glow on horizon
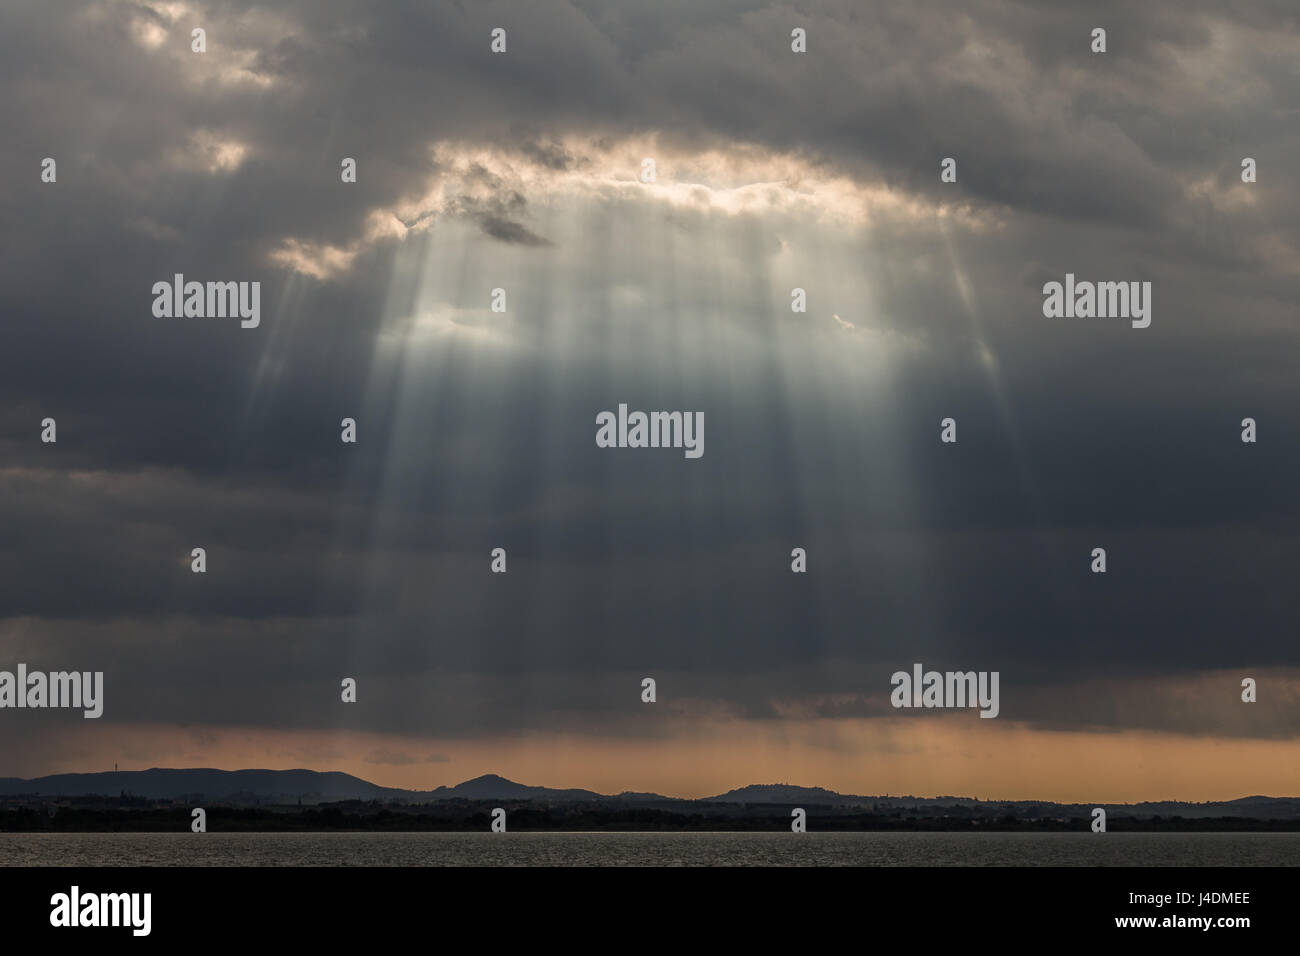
x=937 y=756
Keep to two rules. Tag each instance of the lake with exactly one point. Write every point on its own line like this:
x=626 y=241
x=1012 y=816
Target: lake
x=650 y=849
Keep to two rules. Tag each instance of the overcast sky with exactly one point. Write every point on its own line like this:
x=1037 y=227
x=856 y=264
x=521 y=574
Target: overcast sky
x=775 y=170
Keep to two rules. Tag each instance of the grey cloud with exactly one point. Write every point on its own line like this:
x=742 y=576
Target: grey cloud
x=372 y=559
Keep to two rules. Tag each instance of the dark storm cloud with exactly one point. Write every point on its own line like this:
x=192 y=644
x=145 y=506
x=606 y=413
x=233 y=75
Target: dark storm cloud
x=373 y=559
x=507 y=231
x=497 y=212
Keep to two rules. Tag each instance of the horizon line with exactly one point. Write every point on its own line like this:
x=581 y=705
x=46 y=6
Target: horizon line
x=915 y=796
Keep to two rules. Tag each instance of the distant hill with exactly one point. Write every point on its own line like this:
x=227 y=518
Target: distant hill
x=311 y=786
x=162 y=784
x=247 y=786
x=783 y=793
x=491 y=787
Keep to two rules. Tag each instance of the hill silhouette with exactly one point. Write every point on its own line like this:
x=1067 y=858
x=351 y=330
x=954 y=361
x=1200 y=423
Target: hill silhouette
x=246 y=787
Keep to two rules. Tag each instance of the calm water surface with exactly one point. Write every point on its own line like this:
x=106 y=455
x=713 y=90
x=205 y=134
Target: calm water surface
x=650 y=849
